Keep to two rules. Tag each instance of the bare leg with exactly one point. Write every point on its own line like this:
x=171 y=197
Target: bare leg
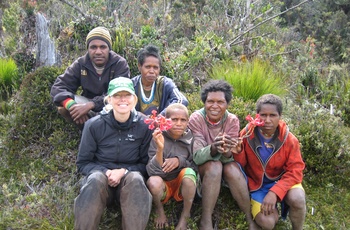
x=239 y=190
x=295 y=198
x=267 y=222
x=210 y=173
x=157 y=187
x=188 y=191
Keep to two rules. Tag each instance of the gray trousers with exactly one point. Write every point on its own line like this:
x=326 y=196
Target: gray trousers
x=131 y=194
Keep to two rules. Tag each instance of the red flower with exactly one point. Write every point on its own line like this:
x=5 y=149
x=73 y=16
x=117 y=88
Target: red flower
x=160 y=121
x=254 y=122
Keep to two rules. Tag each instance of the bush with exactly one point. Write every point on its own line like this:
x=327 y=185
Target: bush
x=250 y=80
x=324 y=143
x=35 y=122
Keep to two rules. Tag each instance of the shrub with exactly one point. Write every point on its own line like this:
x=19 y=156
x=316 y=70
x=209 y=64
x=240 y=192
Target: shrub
x=324 y=143
x=35 y=122
x=250 y=79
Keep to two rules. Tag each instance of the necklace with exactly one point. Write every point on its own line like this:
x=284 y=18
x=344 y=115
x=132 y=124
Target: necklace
x=145 y=99
x=265 y=134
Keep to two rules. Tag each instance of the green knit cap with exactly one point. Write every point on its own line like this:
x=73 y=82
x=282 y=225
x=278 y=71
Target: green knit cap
x=100 y=33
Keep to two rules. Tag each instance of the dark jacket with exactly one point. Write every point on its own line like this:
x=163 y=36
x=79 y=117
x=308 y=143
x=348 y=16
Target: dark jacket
x=181 y=148
x=107 y=144
x=170 y=94
x=82 y=73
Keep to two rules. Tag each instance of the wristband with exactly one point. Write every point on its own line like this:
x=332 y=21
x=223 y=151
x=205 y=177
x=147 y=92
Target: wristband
x=126 y=171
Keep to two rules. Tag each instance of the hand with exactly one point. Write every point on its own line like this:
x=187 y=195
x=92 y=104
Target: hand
x=223 y=144
x=158 y=138
x=114 y=176
x=268 y=205
x=237 y=146
x=170 y=164
x=79 y=112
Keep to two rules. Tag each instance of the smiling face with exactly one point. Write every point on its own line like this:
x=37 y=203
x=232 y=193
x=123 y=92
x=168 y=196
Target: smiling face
x=122 y=102
x=269 y=114
x=149 y=70
x=215 y=106
x=179 y=120
x=98 y=52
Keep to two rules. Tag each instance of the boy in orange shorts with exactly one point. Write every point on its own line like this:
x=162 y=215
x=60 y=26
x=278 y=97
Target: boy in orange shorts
x=170 y=167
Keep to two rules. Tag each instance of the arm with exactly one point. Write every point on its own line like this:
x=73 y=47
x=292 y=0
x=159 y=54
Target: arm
x=66 y=84
x=159 y=140
x=87 y=150
x=171 y=94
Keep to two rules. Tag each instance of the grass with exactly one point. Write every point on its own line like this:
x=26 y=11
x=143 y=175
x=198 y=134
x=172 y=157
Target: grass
x=250 y=80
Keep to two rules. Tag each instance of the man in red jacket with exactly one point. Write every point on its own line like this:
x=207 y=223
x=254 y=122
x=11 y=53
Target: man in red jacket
x=272 y=161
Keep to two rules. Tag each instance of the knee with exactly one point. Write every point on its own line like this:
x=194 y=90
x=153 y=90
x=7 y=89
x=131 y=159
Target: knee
x=135 y=180
x=232 y=172
x=97 y=179
x=212 y=169
x=266 y=222
x=267 y=225
x=155 y=184
x=296 y=199
x=188 y=184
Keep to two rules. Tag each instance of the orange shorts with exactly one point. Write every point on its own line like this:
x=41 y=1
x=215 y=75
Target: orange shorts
x=172 y=187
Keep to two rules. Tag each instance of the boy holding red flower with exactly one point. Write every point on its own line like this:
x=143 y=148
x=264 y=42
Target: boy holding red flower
x=170 y=167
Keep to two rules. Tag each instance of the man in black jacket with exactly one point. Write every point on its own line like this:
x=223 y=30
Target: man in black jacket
x=92 y=72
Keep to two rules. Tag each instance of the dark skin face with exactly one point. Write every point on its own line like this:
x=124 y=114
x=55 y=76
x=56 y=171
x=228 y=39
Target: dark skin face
x=179 y=120
x=215 y=106
x=270 y=116
x=98 y=52
x=149 y=70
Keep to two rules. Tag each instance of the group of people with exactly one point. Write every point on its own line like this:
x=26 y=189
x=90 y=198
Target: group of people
x=126 y=163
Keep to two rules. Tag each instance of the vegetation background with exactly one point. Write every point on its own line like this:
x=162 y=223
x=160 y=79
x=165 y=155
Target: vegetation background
x=298 y=49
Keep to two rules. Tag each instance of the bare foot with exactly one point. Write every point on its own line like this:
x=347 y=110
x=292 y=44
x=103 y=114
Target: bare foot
x=206 y=224
x=161 y=221
x=182 y=225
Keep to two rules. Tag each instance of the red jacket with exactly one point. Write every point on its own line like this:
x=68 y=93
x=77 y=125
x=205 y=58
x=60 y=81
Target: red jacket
x=285 y=165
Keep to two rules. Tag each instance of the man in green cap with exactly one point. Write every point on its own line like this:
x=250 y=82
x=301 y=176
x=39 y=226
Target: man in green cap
x=92 y=72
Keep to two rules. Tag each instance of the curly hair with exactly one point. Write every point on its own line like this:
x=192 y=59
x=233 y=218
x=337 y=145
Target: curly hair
x=217 y=86
x=269 y=99
x=147 y=51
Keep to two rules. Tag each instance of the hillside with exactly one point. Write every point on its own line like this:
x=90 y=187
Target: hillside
x=306 y=46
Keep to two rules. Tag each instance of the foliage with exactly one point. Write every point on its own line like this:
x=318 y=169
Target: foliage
x=250 y=80
x=8 y=77
x=326 y=21
x=34 y=138
x=324 y=142
x=25 y=62
x=309 y=45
